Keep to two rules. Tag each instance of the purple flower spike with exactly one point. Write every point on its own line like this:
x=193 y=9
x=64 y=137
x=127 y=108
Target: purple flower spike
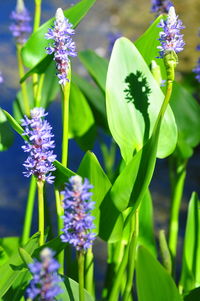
x=161 y=6
x=20 y=27
x=1 y=78
x=170 y=38
x=196 y=70
x=63 y=46
x=45 y=282
x=78 y=222
x=39 y=146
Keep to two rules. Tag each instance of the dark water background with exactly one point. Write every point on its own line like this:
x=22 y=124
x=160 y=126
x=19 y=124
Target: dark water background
x=131 y=18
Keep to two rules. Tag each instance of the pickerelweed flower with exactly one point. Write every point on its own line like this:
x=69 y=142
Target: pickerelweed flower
x=196 y=70
x=1 y=78
x=45 y=283
x=170 y=38
x=63 y=46
x=161 y=6
x=20 y=27
x=78 y=221
x=39 y=146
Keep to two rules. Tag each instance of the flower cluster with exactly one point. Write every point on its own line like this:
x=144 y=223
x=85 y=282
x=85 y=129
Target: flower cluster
x=39 y=146
x=63 y=46
x=1 y=78
x=196 y=70
x=20 y=27
x=170 y=37
x=161 y=6
x=45 y=282
x=78 y=221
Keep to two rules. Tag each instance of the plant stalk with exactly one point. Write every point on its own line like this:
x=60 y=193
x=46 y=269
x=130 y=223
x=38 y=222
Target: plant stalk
x=23 y=85
x=60 y=213
x=37 y=15
x=66 y=91
x=132 y=257
x=29 y=211
x=89 y=272
x=80 y=256
x=177 y=178
x=40 y=185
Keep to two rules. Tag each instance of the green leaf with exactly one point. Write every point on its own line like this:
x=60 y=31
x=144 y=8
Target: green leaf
x=62 y=174
x=148 y=42
x=14 y=124
x=187 y=112
x=80 y=115
x=193 y=295
x=146 y=225
x=95 y=98
x=95 y=65
x=33 y=51
x=15 y=266
x=91 y=169
x=18 y=104
x=132 y=183
x=6 y=135
x=153 y=282
x=190 y=274
x=133 y=101
x=71 y=291
x=9 y=244
x=25 y=256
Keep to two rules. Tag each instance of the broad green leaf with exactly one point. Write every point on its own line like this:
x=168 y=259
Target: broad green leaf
x=12 y=269
x=133 y=101
x=96 y=66
x=3 y=256
x=62 y=174
x=33 y=51
x=14 y=124
x=92 y=170
x=132 y=183
x=153 y=281
x=6 y=135
x=9 y=244
x=16 y=291
x=71 y=291
x=95 y=98
x=190 y=275
x=148 y=42
x=80 y=115
x=187 y=112
x=193 y=295
x=18 y=104
x=146 y=226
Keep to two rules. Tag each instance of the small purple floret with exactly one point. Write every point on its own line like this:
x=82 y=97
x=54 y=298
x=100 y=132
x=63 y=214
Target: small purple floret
x=45 y=282
x=78 y=221
x=196 y=70
x=63 y=46
x=161 y=6
x=39 y=146
x=20 y=27
x=170 y=37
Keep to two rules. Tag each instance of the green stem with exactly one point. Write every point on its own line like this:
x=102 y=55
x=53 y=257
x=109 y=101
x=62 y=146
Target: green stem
x=40 y=185
x=66 y=91
x=113 y=296
x=60 y=213
x=29 y=211
x=37 y=15
x=178 y=174
x=23 y=85
x=80 y=256
x=89 y=272
x=132 y=257
x=165 y=253
x=38 y=95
